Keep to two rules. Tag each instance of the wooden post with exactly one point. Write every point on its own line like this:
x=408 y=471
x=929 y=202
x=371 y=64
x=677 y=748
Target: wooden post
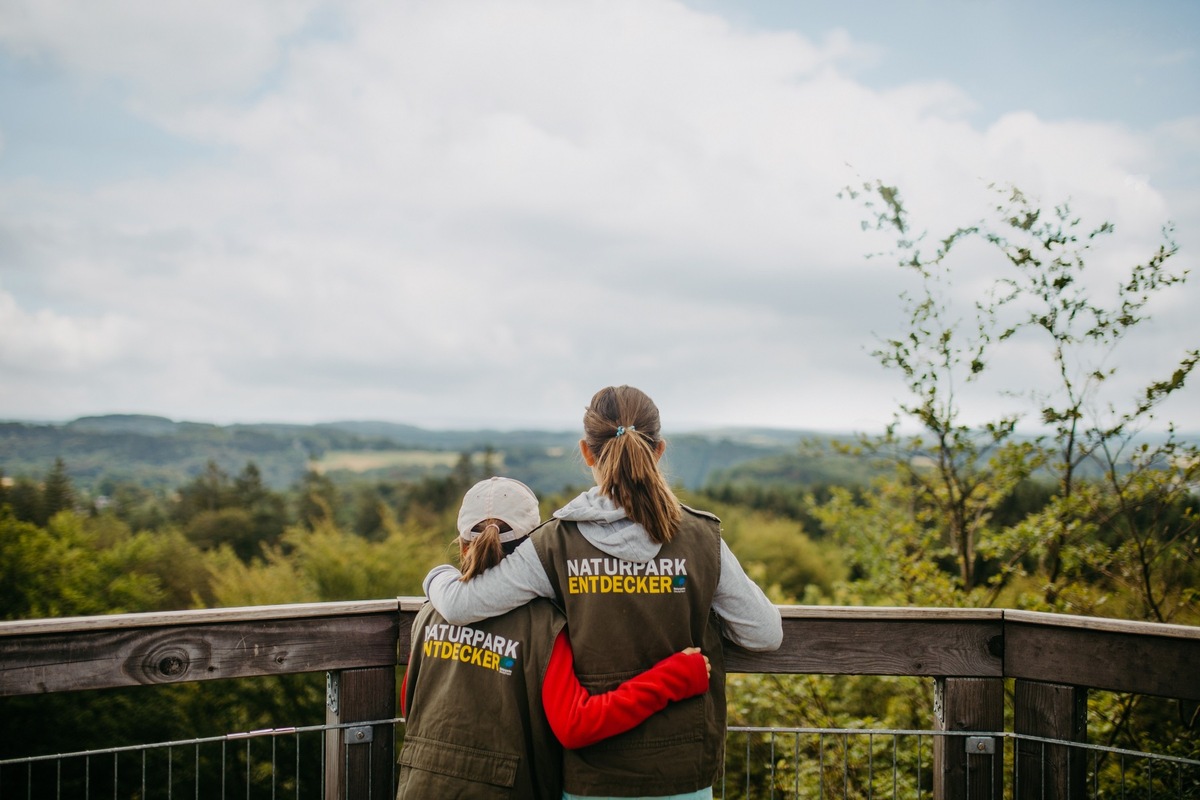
x=968 y=704
x=358 y=762
x=1052 y=711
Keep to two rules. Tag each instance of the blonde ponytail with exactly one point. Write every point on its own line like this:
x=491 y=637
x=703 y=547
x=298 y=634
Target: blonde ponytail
x=484 y=551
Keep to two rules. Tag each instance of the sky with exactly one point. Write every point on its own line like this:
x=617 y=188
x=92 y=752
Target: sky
x=464 y=213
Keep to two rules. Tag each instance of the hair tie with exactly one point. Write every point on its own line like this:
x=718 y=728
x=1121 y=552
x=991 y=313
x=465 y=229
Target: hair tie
x=621 y=429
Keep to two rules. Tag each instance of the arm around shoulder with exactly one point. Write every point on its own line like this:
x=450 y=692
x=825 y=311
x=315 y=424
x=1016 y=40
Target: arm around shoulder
x=513 y=582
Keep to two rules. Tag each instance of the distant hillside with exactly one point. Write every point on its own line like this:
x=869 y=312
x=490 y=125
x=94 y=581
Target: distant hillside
x=124 y=423
x=411 y=436
x=156 y=451
x=799 y=468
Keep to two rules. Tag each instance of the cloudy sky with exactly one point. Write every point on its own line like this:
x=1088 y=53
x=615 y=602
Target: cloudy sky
x=455 y=213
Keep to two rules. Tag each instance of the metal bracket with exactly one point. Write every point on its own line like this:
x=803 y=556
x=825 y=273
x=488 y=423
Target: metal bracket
x=332 y=680
x=361 y=735
x=981 y=745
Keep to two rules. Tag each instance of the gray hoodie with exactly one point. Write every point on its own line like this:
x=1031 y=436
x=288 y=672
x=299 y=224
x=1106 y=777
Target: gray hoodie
x=747 y=617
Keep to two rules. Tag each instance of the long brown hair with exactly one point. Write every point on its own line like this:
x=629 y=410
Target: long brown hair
x=485 y=550
x=622 y=429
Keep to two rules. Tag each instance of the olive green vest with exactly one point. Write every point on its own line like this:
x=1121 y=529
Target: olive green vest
x=475 y=726
x=623 y=618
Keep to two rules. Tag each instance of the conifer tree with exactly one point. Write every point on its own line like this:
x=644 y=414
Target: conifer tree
x=58 y=493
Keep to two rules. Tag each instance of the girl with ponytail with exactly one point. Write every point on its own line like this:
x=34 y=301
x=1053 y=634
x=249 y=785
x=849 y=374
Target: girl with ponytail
x=485 y=550
x=639 y=576
x=622 y=444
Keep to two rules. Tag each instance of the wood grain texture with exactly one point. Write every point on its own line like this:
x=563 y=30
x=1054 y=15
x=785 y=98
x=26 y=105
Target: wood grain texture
x=1050 y=711
x=105 y=658
x=132 y=649
x=896 y=646
x=968 y=704
x=361 y=769
x=1103 y=659
x=195 y=616
x=910 y=613
x=1105 y=624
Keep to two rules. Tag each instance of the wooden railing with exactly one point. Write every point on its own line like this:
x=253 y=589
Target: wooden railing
x=1054 y=659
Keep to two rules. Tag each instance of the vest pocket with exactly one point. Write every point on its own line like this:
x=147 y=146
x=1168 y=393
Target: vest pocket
x=464 y=763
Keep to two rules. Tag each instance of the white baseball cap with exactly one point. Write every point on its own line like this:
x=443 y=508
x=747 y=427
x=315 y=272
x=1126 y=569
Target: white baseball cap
x=505 y=499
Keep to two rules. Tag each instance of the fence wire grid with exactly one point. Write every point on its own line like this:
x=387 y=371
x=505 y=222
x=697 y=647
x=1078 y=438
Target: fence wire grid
x=775 y=763
x=271 y=763
x=863 y=764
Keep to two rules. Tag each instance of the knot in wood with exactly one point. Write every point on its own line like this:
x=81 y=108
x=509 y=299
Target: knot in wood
x=172 y=666
x=995 y=645
x=159 y=661
x=170 y=662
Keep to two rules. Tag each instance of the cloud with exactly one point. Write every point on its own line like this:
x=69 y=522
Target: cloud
x=164 y=51
x=467 y=212
x=46 y=342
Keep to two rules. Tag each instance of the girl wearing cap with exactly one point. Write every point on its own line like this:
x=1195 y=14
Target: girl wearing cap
x=487 y=705
x=640 y=576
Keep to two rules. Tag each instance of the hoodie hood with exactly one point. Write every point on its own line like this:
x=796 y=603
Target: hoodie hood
x=606 y=526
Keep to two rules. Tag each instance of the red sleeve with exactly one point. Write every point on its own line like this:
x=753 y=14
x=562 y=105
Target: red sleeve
x=579 y=719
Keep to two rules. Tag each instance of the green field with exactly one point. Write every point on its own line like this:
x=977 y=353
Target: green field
x=367 y=460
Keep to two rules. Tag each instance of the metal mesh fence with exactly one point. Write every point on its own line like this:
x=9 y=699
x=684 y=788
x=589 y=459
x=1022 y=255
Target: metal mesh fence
x=783 y=763
x=273 y=763
x=844 y=764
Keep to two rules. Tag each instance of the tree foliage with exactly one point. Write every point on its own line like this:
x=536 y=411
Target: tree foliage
x=1119 y=519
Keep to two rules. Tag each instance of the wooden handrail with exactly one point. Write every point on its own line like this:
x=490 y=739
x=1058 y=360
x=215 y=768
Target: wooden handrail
x=200 y=644
x=158 y=619
x=1055 y=659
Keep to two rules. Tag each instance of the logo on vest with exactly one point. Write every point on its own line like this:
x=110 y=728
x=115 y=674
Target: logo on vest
x=471 y=646
x=618 y=576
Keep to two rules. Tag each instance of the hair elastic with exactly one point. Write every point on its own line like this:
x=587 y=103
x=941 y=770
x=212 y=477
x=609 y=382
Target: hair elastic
x=621 y=429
